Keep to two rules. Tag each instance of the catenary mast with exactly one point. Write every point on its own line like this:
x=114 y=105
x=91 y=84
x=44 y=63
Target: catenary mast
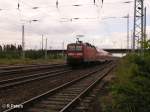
x=138 y=34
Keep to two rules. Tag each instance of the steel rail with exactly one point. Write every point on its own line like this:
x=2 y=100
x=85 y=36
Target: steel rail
x=81 y=95
x=28 y=103
x=26 y=79
x=25 y=66
x=28 y=76
x=10 y=72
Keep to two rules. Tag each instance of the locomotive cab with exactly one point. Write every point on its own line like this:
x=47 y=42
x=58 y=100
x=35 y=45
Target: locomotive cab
x=75 y=53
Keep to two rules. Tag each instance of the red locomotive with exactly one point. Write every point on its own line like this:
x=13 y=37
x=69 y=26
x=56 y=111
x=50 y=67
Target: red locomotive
x=78 y=53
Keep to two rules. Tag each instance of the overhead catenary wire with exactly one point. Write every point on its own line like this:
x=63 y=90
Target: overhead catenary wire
x=30 y=6
x=37 y=7
x=78 y=18
x=57 y=6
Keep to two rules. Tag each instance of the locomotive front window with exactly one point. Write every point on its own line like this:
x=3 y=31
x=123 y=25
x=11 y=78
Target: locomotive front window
x=78 y=48
x=71 y=48
x=74 y=48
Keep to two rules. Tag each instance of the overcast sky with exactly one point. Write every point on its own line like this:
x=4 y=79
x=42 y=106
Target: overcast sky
x=61 y=25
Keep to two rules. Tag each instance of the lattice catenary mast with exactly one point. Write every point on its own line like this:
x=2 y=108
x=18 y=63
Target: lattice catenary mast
x=138 y=34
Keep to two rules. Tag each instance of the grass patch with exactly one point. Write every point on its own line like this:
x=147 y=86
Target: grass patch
x=30 y=61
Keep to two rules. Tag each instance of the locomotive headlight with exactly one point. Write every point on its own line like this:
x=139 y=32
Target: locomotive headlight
x=71 y=54
x=79 y=54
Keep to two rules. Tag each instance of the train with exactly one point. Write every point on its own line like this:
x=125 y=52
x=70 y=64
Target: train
x=79 y=53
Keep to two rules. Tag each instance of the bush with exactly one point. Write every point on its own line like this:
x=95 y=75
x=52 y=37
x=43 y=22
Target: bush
x=131 y=90
x=10 y=54
x=30 y=54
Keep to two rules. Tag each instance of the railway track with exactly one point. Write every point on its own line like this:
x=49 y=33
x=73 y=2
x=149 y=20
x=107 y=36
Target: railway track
x=4 y=84
x=64 y=98
x=5 y=75
x=29 y=68
x=15 y=67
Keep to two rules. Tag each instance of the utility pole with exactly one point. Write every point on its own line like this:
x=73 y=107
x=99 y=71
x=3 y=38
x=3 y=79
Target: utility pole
x=46 y=48
x=42 y=42
x=63 y=48
x=138 y=35
x=131 y=39
x=128 y=33
x=23 y=43
x=23 y=37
